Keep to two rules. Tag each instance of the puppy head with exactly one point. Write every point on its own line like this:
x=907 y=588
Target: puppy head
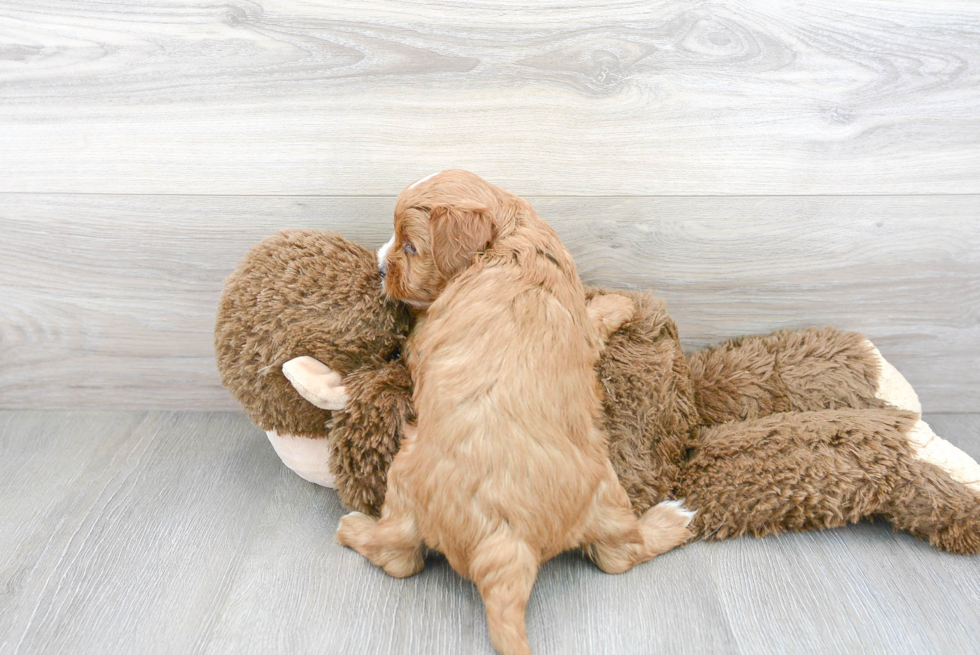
x=441 y=223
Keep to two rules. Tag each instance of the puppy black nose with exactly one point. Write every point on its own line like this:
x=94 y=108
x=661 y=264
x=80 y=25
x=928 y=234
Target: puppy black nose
x=384 y=270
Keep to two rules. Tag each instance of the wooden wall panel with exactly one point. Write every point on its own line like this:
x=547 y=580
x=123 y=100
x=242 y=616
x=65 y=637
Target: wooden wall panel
x=109 y=301
x=550 y=98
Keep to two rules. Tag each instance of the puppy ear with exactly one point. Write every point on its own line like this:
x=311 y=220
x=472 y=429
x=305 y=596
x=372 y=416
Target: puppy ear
x=459 y=231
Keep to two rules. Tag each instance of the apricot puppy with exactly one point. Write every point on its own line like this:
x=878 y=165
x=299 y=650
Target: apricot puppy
x=507 y=467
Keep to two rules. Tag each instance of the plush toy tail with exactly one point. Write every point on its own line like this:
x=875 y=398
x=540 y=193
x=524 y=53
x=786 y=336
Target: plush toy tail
x=822 y=469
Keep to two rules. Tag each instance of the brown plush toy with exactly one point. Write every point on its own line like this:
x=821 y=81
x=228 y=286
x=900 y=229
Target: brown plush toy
x=791 y=431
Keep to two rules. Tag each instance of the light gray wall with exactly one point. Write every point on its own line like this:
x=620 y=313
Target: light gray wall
x=761 y=165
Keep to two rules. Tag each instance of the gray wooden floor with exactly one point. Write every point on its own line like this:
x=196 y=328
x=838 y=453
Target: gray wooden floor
x=180 y=532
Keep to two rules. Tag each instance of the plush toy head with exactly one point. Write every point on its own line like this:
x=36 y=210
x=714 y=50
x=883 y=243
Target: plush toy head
x=302 y=292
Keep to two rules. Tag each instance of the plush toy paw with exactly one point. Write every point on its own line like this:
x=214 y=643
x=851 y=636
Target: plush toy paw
x=316 y=382
x=893 y=388
x=931 y=448
x=308 y=458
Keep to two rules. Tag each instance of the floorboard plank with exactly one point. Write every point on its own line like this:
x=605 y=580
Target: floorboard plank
x=613 y=97
x=328 y=599
x=137 y=554
x=860 y=589
x=574 y=608
x=182 y=532
x=46 y=461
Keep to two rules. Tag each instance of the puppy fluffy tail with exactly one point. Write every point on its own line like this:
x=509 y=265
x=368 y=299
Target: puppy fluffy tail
x=504 y=570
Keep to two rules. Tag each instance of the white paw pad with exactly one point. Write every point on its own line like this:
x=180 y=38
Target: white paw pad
x=929 y=447
x=893 y=388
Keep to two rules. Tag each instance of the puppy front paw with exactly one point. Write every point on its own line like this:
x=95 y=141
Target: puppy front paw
x=316 y=382
x=609 y=312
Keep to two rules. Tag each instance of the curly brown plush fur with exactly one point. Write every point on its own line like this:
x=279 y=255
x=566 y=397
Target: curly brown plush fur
x=759 y=434
x=824 y=469
x=366 y=434
x=750 y=377
x=648 y=402
x=765 y=434
x=803 y=471
x=302 y=292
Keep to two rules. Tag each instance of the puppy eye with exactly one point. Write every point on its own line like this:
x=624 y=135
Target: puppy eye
x=409 y=249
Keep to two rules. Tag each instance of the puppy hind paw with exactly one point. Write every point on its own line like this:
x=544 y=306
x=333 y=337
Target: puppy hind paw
x=678 y=506
x=399 y=558
x=665 y=525
x=405 y=564
x=353 y=530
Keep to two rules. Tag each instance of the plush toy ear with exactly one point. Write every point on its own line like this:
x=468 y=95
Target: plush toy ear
x=459 y=231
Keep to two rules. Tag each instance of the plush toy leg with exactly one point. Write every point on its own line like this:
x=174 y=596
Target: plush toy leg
x=939 y=499
x=367 y=434
x=930 y=448
x=808 y=370
x=807 y=470
x=308 y=458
